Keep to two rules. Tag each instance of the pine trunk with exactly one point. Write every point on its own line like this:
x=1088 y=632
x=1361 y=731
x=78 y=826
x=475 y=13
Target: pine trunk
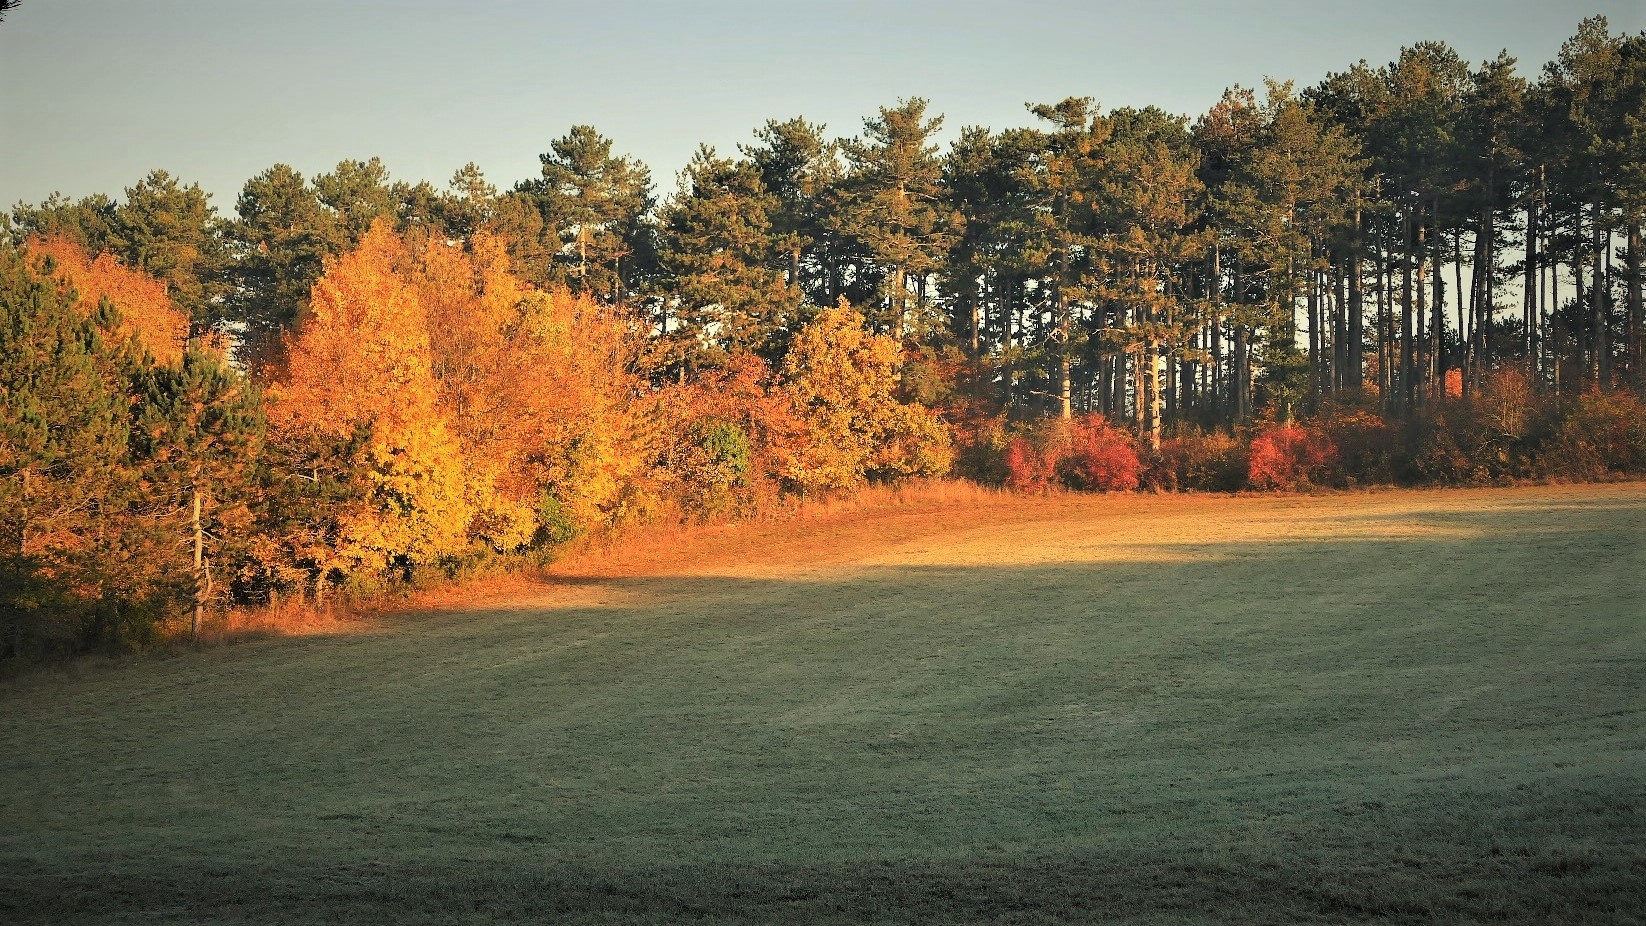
x=1530 y=282
x=1438 y=361
x=1408 y=358
x=1356 y=374
x=1597 y=297
x=1634 y=282
x=199 y=568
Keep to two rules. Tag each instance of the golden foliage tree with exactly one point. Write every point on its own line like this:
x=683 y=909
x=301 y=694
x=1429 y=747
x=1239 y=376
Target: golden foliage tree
x=842 y=383
x=361 y=358
x=147 y=312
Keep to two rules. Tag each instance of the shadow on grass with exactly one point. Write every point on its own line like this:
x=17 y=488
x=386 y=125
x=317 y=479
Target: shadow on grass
x=1138 y=888
x=1358 y=727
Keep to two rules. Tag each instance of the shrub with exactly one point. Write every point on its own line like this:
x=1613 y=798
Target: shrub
x=1031 y=467
x=1603 y=434
x=980 y=451
x=1288 y=456
x=712 y=464
x=1100 y=457
x=1086 y=453
x=1489 y=437
x=1370 y=450
x=1195 y=460
x=841 y=382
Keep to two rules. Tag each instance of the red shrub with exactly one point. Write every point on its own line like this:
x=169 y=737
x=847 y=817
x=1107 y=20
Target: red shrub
x=1288 y=457
x=1029 y=467
x=1101 y=457
x=1085 y=453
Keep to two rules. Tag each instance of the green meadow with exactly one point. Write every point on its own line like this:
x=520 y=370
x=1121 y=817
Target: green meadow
x=1403 y=707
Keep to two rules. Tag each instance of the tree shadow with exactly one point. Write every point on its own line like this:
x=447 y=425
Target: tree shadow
x=1418 y=725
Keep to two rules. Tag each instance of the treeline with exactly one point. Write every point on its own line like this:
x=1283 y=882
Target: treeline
x=430 y=412
x=1422 y=271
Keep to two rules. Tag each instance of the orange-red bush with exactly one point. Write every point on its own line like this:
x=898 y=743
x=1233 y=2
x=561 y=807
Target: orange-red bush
x=1031 y=467
x=1101 y=457
x=1086 y=453
x=1287 y=456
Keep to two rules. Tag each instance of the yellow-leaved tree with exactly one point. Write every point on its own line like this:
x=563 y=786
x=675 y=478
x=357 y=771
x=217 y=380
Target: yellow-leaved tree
x=361 y=359
x=842 y=382
x=587 y=444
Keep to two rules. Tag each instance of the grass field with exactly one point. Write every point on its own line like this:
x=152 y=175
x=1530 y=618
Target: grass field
x=1397 y=706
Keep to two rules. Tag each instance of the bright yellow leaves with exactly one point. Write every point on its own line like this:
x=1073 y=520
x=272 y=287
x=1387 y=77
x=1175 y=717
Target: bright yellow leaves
x=362 y=358
x=842 y=382
x=490 y=406
x=498 y=416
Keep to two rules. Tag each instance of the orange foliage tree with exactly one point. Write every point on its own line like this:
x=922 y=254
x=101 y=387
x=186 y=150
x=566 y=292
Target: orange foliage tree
x=147 y=313
x=362 y=360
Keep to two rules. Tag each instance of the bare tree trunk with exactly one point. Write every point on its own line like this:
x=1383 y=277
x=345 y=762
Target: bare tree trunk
x=1634 y=283
x=1597 y=296
x=1437 y=320
x=1156 y=396
x=1356 y=308
x=1582 y=347
x=199 y=568
x=1385 y=330
x=1008 y=319
x=1488 y=307
x=1532 y=282
x=1557 y=348
x=1316 y=346
x=1465 y=331
x=1215 y=329
x=900 y=285
x=1408 y=358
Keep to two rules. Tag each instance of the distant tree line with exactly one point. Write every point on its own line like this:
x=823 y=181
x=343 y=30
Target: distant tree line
x=355 y=377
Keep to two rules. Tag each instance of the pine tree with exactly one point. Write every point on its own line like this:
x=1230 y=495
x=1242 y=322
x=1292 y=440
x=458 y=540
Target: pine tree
x=1147 y=199
x=1059 y=180
x=64 y=476
x=172 y=232
x=88 y=222
x=198 y=439
x=280 y=243
x=799 y=166
x=357 y=195
x=716 y=248
x=889 y=204
x=595 y=203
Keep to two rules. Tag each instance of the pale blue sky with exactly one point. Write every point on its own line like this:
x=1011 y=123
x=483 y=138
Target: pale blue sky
x=94 y=93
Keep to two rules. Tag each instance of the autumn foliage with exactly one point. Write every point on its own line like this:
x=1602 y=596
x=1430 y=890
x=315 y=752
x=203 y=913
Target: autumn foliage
x=147 y=313
x=1087 y=453
x=1290 y=456
x=469 y=413
x=430 y=411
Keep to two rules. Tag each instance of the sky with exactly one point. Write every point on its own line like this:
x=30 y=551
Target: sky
x=95 y=93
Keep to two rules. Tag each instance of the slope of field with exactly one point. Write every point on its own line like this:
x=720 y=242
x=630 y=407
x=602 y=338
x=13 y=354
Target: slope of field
x=1399 y=706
